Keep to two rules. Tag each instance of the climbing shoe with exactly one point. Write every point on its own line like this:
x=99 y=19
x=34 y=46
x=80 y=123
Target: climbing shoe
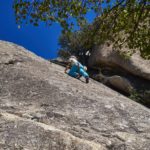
x=87 y=80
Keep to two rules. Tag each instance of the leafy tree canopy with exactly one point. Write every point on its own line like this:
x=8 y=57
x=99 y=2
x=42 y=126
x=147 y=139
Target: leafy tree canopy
x=79 y=43
x=119 y=21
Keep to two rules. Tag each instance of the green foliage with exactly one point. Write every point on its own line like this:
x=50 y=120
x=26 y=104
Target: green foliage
x=63 y=53
x=76 y=43
x=51 y=11
x=125 y=55
x=142 y=97
x=126 y=26
x=123 y=22
x=135 y=96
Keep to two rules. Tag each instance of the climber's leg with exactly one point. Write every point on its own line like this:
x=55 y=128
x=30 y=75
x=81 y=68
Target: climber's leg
x=84 y=74
x=73 y=71
x=73 y=74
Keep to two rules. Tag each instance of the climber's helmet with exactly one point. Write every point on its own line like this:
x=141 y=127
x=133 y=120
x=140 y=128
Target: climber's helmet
x=72 y=60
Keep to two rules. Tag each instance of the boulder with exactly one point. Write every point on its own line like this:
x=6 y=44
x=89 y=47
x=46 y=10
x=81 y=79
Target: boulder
x=105 y=55
x=41 y=107
x=116 y=81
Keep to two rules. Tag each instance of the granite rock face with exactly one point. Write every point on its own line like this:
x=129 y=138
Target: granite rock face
x=41 y=107
x=117 y=81
x=128 y=75
x=106 y=55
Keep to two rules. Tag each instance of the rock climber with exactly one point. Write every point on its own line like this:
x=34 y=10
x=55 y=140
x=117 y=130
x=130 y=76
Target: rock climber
x=77 y=70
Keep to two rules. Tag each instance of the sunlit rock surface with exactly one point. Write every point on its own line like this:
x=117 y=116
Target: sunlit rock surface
x=41 y=107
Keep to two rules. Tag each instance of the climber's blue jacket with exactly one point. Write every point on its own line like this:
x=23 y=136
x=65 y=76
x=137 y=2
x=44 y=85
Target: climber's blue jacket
x=78 y=69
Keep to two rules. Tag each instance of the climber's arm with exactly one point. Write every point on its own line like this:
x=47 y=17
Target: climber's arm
x=67 y=67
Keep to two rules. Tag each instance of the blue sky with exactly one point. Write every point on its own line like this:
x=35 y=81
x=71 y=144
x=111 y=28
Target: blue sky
x=41 y=40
